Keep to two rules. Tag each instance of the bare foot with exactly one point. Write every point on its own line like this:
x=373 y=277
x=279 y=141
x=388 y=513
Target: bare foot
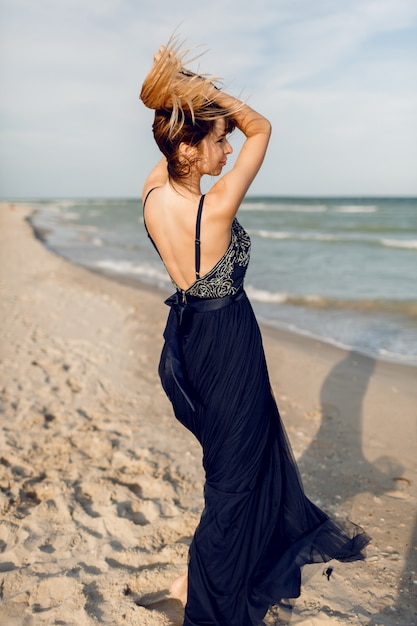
x=179 y=587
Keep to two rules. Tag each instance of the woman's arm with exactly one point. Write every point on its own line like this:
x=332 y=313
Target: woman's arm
x=157 y=177
x=229 y=191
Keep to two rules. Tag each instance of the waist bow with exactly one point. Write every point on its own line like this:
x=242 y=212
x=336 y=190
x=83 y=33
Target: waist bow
x=181 y=307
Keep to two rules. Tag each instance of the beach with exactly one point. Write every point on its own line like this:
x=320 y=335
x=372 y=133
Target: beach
x=101 y=489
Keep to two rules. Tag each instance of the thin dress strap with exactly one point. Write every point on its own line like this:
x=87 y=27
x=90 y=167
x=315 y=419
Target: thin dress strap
x=146 y=197
x=197 y=238
x=144 y=221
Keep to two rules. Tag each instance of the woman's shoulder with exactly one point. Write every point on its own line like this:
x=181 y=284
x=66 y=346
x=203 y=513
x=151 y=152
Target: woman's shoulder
x=147 y=190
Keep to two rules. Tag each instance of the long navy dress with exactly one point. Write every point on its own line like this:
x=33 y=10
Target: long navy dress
x=257 y=528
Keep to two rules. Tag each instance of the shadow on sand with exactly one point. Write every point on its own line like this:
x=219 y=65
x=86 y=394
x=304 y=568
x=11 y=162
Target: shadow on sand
x=334 y=467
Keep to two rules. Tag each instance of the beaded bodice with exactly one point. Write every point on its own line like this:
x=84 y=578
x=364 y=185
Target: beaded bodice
x=227 y=276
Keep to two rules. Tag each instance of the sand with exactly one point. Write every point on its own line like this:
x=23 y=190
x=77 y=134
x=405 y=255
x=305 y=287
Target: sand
x=101 y=489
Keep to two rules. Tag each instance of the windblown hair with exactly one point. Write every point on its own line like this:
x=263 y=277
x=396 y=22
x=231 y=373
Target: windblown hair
x=185 y=109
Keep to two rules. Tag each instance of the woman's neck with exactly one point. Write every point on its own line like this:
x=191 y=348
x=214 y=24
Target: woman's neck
x=189 y=186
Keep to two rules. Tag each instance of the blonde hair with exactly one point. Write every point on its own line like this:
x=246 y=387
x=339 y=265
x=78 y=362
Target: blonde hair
x=185 y=106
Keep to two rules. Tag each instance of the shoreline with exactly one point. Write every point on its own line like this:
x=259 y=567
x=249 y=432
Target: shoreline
x=101 y=489
x=136 y=283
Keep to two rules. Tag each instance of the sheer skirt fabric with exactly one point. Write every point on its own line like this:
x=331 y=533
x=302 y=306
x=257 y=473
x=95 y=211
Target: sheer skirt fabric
x=258 y=528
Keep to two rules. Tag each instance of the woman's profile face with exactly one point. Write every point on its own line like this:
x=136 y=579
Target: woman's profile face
x=213 y=150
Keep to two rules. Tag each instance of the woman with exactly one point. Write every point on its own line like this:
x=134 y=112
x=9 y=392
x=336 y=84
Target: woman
x=257 y=528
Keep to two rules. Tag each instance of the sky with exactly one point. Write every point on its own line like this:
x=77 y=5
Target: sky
x=337 y=79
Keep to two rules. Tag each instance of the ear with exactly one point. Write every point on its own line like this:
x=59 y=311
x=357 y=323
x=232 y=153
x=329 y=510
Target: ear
x=186 y=150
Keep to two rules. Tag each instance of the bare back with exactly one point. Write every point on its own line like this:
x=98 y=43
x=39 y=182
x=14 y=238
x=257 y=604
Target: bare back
x=171 y=222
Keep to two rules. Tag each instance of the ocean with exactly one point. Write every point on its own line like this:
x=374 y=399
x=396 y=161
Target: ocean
x=343 y=270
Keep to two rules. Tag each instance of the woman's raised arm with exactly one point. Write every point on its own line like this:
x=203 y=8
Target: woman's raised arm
x=156 y=178
x=229 y=191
